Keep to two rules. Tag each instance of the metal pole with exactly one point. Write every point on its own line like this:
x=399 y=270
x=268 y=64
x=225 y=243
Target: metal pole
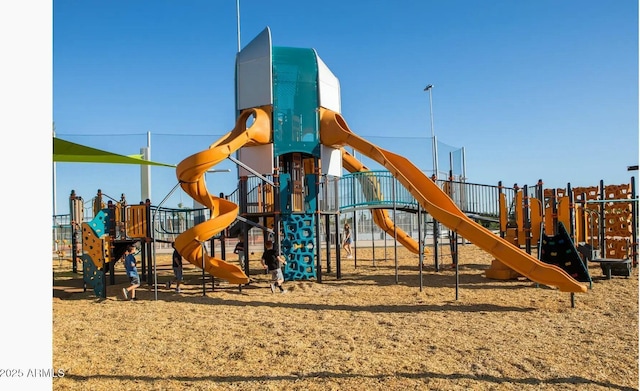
x=434 y=150
x=353 y=225
x=395 y=229
x=55 y=231
x=153 y=248
x=373 y=241
x=420 y=245
x=634 y=223
x=338 y=250
x=455 y=238
x=204 y=283
x=145 y=171
x=238 y=22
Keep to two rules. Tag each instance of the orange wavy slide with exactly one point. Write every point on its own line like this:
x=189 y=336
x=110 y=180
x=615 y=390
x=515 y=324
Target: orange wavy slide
x=371 y=189
x=334 y=131
x=191 y=175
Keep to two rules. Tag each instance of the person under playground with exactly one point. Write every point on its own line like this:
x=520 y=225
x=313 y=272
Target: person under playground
x=346 y=242
x=176 y=265
x=132 y=272
x=271 y=261
x=239 y=249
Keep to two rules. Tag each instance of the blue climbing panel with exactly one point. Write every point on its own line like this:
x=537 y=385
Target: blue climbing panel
x=298 y=246
x=94 y=252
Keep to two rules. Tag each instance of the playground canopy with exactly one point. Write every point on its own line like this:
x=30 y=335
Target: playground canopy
x=66 y=151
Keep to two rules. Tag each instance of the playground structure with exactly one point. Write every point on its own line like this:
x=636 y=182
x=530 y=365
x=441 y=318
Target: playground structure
x=290 y=133
x=290 y=141
x=599 y=221
x=98 y=241
x=479 y=201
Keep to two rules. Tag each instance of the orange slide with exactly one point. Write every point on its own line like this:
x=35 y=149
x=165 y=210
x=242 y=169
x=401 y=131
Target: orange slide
x=191 y=175
x=334 y=131
x=371 y=189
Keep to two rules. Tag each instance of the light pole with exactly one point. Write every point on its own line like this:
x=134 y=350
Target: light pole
x=434 y=148
x=238 y=22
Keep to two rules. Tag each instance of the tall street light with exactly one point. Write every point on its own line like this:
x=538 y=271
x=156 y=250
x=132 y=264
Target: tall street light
x=238 y=22
x=434 y=148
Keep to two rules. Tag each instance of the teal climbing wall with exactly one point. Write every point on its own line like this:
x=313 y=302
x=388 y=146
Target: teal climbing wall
x=93 y=253
x=299 y=245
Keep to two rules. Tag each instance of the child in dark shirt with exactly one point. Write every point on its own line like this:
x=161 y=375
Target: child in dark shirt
x=176 y=265
x=271 y=261
x=132 y=273
x=239 y=249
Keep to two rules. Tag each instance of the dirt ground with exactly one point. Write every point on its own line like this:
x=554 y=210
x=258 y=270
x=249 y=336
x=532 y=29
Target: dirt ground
x=376 y=328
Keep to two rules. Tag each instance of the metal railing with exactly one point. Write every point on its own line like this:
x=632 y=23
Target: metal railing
x=356 y=191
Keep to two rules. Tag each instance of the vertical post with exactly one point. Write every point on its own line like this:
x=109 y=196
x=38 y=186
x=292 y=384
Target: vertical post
x=276 y=206
x=573 y=300
x=327 y=244
x=318 y=244
x=76 y=226
x=501 y=213
x=111 y=231
x=554 y=209
x=526 y=220
x=212 y=254
x=420 y=245
x=373 y=242
x=55 y=229
x=601 y=205
x=338 y=252
x=145 y=171
x=223 y=246
x=238 y=22
x=457 y=269
x=354 y=229
x=385 y=244
x=395 y=230
x=354 y=225
x=572 y=215
x=204 y=282
x=434 y=148
x=634 y=224
x=453 y=235
x=436 y=238
x=242 y=192
x=583 y=221
x=148 y=244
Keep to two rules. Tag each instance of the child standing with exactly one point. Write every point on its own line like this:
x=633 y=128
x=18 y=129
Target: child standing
x=132 y=273
x=176 y=265
x=239 y=249
x=271 y=261
x=346 y=243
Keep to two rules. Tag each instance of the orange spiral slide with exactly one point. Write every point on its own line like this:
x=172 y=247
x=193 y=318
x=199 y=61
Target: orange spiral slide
x=191 y=175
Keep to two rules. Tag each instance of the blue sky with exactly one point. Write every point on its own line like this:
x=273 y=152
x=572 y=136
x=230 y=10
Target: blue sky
x=531 y=89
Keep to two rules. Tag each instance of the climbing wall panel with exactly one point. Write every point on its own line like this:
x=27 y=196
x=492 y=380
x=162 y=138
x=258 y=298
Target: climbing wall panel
x=298 y=245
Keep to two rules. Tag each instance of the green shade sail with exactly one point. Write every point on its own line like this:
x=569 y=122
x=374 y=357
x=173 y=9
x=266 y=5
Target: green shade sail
x=66 y=151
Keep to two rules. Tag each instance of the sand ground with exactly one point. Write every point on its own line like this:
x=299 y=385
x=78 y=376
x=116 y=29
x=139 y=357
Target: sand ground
x=377 y=328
